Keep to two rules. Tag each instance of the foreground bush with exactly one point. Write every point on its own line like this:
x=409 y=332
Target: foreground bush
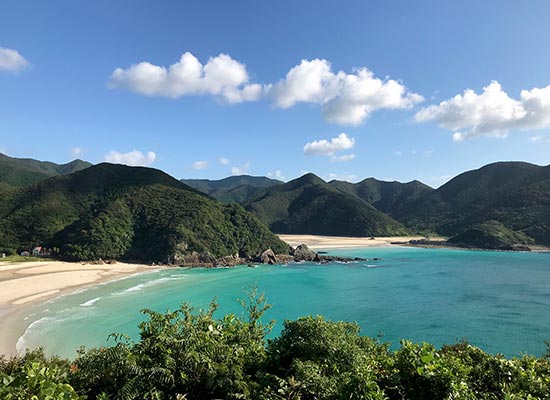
x=188 y=354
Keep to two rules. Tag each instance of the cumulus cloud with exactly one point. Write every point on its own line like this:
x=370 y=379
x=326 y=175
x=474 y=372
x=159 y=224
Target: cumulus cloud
x=132 y=158
x=242 y=170
x=346 y=99
x=492 y=113
x=198 y=165
x=329 y=147
x=540 y=139
x=11 y=60
x=343 y=158
x=342 y=177
x=76 y=151
x=221 y=76
x=223 y=161
x=277 y=174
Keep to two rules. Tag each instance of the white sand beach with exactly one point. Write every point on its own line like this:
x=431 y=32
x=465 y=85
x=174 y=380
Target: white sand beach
x=25 y=283
x=315 y=242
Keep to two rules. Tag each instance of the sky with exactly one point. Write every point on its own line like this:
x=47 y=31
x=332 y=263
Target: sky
x=396 y=90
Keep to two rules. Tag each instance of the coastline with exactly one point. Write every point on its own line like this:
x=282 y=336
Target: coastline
x=24 y=284
x=317 y=242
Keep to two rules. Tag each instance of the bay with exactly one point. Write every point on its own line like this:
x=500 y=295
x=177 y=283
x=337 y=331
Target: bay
x=499 y=301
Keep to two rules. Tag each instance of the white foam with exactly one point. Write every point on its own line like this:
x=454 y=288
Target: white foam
x=149 y=284
x=90 y=303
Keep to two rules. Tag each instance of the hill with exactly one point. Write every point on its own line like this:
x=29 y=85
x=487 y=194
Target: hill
x=118 y=212
x=309 y=205
x=21 y=172
x=491 y=235
x=515 y=194
x=234 y=189
x=388 y=197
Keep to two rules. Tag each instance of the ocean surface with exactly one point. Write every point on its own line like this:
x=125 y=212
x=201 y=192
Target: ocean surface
x=499 y=301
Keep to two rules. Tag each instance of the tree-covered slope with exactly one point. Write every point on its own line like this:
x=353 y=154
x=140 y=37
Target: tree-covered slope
x=491 y=235
x=21 y=172
x=234 y=189
x=308 y=205
x=388 y=197
x=515 y=194
x=114 y=211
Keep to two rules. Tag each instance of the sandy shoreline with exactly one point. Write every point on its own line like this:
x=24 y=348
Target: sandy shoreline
x=25 y=283
x=315 y=242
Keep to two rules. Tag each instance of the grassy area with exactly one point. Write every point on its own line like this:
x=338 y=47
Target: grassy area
x=18 y=258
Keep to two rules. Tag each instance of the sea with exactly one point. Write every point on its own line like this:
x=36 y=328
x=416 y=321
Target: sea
x=498 y=301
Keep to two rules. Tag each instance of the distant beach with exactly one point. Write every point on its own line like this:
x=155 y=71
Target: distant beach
x=26 y=283
x=316 y=242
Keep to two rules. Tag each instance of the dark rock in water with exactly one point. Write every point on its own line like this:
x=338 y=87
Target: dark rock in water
x=322 y=252
x=284 y=258
x=268 y=257
x=303 y=253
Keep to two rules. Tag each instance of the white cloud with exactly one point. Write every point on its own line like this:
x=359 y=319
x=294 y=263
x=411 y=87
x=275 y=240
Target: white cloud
x=343 y=158
x=328 y=148
x=132 y=158
x=278 y=174
x=76 y=151
x=11 y=60
x=540 y=139
x=428 y=153
x=242 y=170
x=346 y=99
x=198 y=165
x=223 y=161
x=398 y=154
x=221 y=76
x=492 y=113
x=342 y=177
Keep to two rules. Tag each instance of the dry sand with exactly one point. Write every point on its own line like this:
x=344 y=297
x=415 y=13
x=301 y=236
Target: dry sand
x=315 y=242
x=24 y=283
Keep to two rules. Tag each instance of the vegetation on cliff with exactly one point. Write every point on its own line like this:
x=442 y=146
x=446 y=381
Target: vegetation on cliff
x=116 y=212
x=491 y=235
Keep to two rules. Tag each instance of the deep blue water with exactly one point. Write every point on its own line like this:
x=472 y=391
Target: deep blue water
x=499 y=301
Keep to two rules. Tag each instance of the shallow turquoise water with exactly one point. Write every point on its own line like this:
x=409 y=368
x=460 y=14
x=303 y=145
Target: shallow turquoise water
x=498 y=301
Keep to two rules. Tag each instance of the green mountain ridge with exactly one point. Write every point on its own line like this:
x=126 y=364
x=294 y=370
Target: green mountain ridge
x=21 y=172
x=117 y=212
x=233 y=189
x=388 y=197
x=516 y=194
x=309 y=205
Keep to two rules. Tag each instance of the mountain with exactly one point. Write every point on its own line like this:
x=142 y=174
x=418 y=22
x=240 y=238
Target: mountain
x=515 y=194
x=118 y=212
x=26 y=171
x=309 y=205
x=388 y=197
x=234 y=189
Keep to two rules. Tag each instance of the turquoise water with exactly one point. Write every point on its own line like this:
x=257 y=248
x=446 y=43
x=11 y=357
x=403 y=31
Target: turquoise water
x=498 y=301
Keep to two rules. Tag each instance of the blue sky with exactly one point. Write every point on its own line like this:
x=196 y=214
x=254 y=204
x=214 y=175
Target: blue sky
x=282 y=77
